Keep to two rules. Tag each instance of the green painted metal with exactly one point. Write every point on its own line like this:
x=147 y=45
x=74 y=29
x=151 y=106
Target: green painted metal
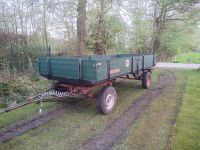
x=120 y=66
x=137 y=63
x=43 y=65
x=93 y=69
x=66 y=68
x=148 y=61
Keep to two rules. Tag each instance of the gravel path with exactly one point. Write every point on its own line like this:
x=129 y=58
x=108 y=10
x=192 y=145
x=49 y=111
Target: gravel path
x=177 y=65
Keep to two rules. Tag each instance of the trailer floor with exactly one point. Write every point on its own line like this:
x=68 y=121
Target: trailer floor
x=143 y=119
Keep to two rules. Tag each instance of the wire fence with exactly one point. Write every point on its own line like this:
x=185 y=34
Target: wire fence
x=21 y=60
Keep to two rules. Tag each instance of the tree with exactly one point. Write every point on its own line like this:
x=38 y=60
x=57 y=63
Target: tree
x=165 y=11
x=45 y=23
x=141 y=30
x=112 y=26
x=100 y=48
x=81 y=25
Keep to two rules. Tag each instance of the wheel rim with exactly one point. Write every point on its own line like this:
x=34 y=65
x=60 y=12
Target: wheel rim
x=109 y=101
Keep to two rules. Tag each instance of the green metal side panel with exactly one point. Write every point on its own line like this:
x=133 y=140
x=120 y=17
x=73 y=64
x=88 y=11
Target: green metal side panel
x=102 y=70
x=67 y=68
x=43 y=64
x=148 y=61
x=120 y=66
x=94 y=71
x=88 y=70
x=137 y=63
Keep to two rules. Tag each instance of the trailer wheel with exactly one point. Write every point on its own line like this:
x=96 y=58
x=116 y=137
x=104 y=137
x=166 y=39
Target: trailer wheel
x=146 y=80
x=107 y=99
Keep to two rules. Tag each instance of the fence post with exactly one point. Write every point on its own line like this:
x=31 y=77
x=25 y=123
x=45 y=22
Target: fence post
x=49 y=48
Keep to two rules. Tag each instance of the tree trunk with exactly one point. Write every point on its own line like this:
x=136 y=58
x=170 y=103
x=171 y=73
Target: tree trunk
x=99 y=45
x=45 y=24
x=159 y=23
x=81 y=25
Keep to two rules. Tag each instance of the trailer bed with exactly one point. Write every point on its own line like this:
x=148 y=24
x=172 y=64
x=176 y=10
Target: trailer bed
x=90 y=70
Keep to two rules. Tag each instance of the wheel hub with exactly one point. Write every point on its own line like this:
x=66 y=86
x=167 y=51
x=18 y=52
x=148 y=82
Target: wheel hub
x=109 y=101
x=149 y=81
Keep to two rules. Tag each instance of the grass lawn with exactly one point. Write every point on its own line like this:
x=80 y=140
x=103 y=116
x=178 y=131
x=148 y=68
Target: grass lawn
x=25 y=113
x=193 y=58
x=72 y=129
x=151 y=131
x=187 y=131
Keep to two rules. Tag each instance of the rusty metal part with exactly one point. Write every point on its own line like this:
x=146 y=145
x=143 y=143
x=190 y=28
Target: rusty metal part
x=84 y=90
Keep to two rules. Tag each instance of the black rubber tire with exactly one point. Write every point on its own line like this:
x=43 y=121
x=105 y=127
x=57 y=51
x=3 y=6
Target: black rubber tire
x=101 y=100
x=146 y=80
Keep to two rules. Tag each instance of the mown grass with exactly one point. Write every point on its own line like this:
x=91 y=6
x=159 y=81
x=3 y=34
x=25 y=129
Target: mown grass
x=187 y=131
x=193 y=58
x=152 y=129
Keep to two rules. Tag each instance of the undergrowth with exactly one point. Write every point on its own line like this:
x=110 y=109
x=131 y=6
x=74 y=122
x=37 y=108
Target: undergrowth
x=19 y=89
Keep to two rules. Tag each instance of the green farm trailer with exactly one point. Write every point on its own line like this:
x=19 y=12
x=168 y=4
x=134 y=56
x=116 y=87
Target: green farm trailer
x=80 y=74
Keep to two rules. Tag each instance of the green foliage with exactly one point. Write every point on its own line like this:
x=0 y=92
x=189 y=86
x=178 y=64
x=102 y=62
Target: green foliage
x=4 y=85
x=140 y=41
x=15 y=58
x=141 y=31
x=178 y=38
x=114 y=37
x=4 y=88
x=21 y=88
x=191 y=57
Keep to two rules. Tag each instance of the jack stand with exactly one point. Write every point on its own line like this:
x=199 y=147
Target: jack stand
x=40 y=110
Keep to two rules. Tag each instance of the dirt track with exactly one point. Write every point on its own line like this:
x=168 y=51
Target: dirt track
x=117 y=129
x=112 y=133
